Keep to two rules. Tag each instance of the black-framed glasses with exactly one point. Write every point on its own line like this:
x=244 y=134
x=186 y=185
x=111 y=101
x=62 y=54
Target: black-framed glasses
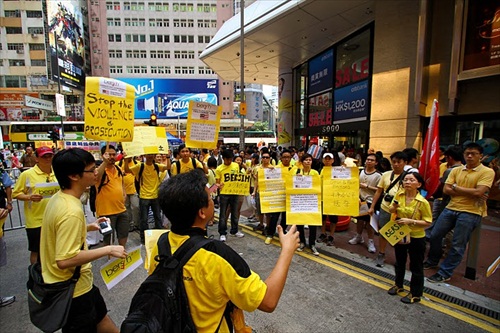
x=91 y=170
x=266 y=156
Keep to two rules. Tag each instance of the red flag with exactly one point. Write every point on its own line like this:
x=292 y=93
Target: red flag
x=429 y=161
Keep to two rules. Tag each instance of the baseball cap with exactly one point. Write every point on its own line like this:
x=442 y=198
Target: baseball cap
x=325 y=155
x=40 y=151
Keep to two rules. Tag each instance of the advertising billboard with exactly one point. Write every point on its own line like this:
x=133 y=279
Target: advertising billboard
x=65 y=27
x=169 y=98
x=321 y=72
x=351 y=103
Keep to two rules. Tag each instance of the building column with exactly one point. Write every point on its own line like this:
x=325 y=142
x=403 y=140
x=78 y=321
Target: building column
x=285 y=98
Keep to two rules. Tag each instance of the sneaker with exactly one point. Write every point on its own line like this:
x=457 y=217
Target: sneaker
x=222 y=238
x=301 y=247
x=329 y=241
x=314 y=250
x=371 y=246
x=306 y=227
x=4 y=301
x=394 y=290
x=358 y=239
x=379 y=262
x=321 y=238
x=437 y=278
x=429 y=266
x=239 y=234
x=268 y=240
x=409 y=299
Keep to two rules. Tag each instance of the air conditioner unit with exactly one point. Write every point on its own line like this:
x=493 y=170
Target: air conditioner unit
x=20 y=51
x=34 y=36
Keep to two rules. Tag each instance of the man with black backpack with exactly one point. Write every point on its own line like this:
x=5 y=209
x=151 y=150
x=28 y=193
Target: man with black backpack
x=186 y=163
x=195 y=289
x=110 y=196
x=148 y=176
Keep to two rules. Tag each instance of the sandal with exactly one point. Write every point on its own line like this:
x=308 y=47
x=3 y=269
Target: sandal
x=408 y=299
x=394 y=290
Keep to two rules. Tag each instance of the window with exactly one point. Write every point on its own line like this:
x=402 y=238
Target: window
x=118 y=38
x=38 y=62
x=115 y=53
x=12 y=13
x=14 y=30
x=160 y=70
x=16 y=62
x=35 y=30
x=37 y=47
x=143 y=54
x=183 y=54
x=206 y=70
x=15 y=46
x=142 y=38
x=207 y=24
x=183 y=70
x=135 y=69
x=116 y=69
x=34 y=13
x=144 y=69
x=160 y=54
x=114 y=22
x=152 y=38
x=14 y=81
x=128 y=54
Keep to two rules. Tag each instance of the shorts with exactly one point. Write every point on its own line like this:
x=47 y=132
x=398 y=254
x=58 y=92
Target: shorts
x=3 y=252
x=86 y=312
x=332 y=218
x=383 y=218
x=257 y=204
x=120 y=224
x=34 y=235
x=365 y=218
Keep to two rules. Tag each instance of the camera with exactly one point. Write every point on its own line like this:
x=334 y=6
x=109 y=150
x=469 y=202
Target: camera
x=388 y=197
x=105 y=227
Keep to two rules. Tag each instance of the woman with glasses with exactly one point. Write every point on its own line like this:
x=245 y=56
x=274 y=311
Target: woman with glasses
x=413 y=210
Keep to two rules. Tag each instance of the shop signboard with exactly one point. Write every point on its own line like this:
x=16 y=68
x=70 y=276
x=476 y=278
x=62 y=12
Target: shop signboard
x=169 y=98
x=321 y=72
x=351 y=103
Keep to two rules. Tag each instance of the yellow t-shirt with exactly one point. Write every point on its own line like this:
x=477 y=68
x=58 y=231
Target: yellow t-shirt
x=442 y=168
x=212 y=279
x=109 y=200
x=27 y=184
x=384 y=183
x=64 y=230
x=128 y=178
x=289 y=170
x=470 y=178
x=311 y=172
x=423 y=212
x=223 y=169
x=185 y=167
x=150 y=181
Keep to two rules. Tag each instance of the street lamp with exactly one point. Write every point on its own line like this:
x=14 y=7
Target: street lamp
x=56 y=42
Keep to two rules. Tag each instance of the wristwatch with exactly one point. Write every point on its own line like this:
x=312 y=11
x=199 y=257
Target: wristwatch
x=454 y=187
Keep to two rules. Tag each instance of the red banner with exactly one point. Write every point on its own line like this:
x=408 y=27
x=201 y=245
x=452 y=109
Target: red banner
x=429 y=161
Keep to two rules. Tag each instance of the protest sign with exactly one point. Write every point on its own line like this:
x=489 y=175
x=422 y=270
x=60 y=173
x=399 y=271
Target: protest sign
x=271 y=190
x=203 y=125
x=341 y=191
x=236 y=184
x=109 y=110
x=117 y=269
x=147 y=140
x=394 y=232
x=303 y=200
x=46 y=190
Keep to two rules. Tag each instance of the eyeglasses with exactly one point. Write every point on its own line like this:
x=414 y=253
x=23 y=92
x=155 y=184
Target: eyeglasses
x=266 y=156
x=93 y=170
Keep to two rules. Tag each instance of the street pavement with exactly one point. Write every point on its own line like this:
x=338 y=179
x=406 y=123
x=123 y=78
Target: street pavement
x=322 y=294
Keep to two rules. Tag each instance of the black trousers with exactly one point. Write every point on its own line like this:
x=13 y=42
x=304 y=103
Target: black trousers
x=416 y=251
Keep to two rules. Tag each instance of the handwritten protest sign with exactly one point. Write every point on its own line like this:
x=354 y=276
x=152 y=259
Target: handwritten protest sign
x=203 y=125
x=46 y=190
x=341 y=191
x=303 y=200
x=394 y=232
x=109 y=109
x=237 y=184
x=271 y=190
x=147 y=140
x=116 y=270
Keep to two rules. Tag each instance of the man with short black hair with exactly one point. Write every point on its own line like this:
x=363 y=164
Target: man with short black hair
x=63 y=245
x=216 y=274
x=186 y=162
x=468 y=187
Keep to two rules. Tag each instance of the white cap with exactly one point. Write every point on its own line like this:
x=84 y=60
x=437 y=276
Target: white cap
x=325 y=155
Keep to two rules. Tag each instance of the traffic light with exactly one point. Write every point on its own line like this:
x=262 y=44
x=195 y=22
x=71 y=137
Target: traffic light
x=153 y=120
x=53 y=135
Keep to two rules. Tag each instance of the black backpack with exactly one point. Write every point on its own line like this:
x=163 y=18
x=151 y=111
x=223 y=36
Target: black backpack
x=178 y=165
x=160 y=305
x=93 y=191
x=138 y=179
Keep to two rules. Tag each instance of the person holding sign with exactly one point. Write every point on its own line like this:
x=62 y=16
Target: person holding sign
x=329 y=160
x=306 y=161
x=413 y=210
x=35 y=187
x=186 y=163
x=222 y=175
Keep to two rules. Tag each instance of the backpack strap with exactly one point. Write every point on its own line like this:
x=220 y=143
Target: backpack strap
x=178 y=166
x=183 y=253
x=194 y=163
x=157 y=168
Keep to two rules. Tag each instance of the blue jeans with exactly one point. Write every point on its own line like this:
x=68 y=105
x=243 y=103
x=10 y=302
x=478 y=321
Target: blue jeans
x=144 y=205
x=224 y=201
x=464 y=223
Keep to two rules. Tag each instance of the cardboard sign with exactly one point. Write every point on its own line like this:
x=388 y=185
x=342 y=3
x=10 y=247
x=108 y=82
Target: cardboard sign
x=46 y=190
x=147 y=140
x=394 y=232
x=271 y=190
x=116 y=270
x=303 y=200
x=109 y=110
x=341 y=191
x=236 y=184
x=203 y=125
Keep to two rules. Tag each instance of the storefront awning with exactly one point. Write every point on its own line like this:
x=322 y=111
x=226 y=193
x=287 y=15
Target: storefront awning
x=282 y=34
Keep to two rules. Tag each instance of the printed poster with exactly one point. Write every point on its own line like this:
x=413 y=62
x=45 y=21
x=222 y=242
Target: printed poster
x=203 y=125
x=109 y=110
x=117 y=269
x=303 y=200
x=236 y=184
x=271 y=190
x=341 y=191
x=147 y=140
